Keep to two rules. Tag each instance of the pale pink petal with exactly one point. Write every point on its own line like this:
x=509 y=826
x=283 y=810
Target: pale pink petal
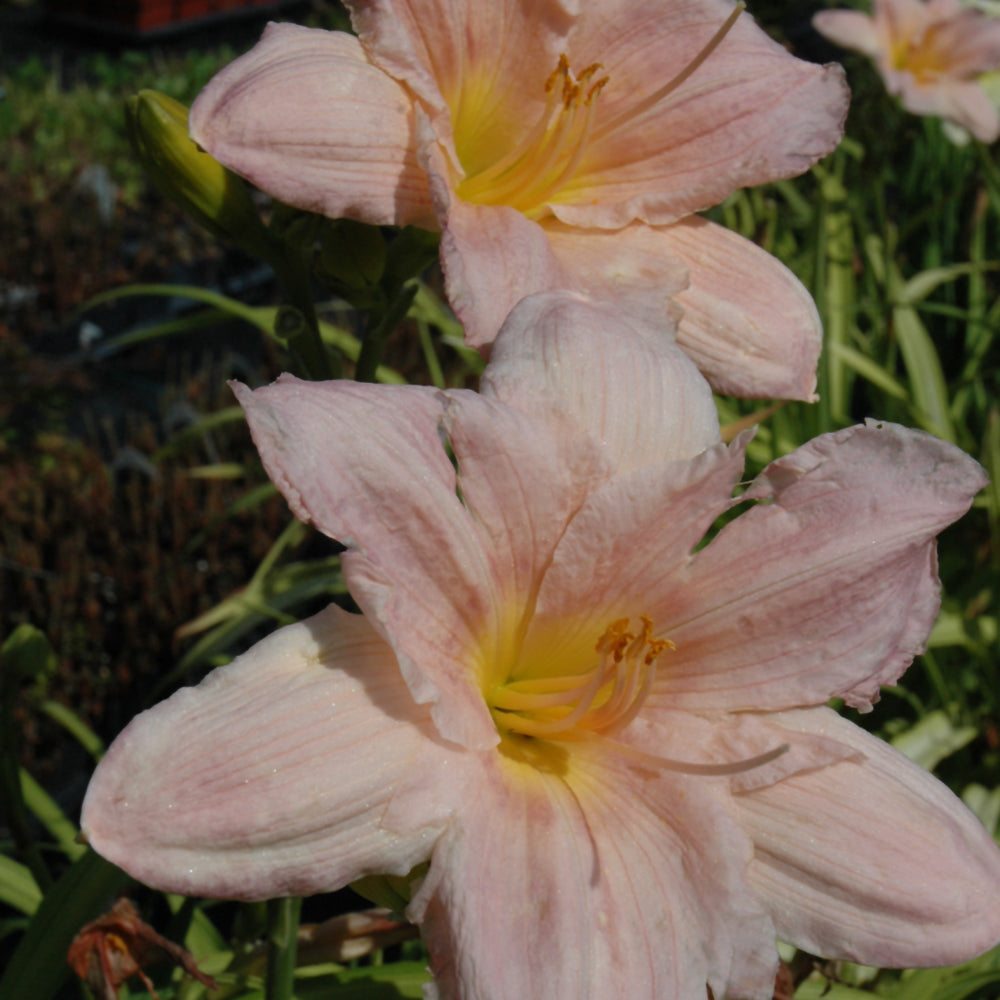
x=390 y=494
x=476 y=68
x=848 y=28
x=972 y=41
x=750 y=113
x=622 y=551
x=828 y=588
x=492 y=257
x=521 y=477
x=749 y=324
x=589 y=877
x=306 y=117
x=906 y=18
x=628 y=384
x=631 y=267
x=272 y=777
x=963 y=102
x=872 y=860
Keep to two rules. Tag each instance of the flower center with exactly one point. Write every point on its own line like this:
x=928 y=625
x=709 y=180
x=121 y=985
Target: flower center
x=549 y=153
x=604 y=699
x=924 y=58
x=537 y=168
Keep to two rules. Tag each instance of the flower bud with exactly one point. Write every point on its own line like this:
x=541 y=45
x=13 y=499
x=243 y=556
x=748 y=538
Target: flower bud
x=214 y=196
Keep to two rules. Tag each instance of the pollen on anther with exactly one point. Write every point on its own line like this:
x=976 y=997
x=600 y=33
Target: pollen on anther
x=561 y=70
x=595 y=90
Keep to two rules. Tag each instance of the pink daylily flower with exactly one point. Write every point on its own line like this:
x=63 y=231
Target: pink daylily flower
x=557 y=146
x=930 y=54
x=613 y=750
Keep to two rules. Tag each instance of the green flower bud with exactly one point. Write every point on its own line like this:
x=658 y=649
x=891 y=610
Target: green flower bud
x=214 y=196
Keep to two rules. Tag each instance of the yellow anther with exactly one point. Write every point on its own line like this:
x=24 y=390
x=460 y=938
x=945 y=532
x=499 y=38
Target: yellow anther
x=561 y=70
x=656 y=647
x=615 y=639
x=603 y=699
x=595 y=90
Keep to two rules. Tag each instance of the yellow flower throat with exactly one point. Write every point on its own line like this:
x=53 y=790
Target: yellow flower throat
x=547 y=156
x=605 y=698
x=545 y=160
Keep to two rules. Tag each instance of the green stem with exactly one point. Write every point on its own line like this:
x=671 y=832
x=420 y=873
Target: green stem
x=282 y=944
x=374 y=340
x=303 y=338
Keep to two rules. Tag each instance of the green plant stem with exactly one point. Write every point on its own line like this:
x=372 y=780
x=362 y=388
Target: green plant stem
x=375 y=337
x=282 y=943
x=304 y=341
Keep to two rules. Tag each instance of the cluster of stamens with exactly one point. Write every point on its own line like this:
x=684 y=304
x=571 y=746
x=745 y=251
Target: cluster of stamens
x=550 y=152
x=606 y=698
x=545 y=160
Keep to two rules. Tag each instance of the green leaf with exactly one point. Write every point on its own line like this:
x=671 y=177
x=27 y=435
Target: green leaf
x=955 y=983
x=985 y=804
x=18 y=887
x=818 y=987
x=933 y=738
x=921 y=285
x=870 y=370
x=48 y=813
x=75 y=726
x=398 y=981
x=930 y=391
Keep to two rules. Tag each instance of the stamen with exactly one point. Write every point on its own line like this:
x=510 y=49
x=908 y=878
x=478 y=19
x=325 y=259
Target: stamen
x=483 y=179
x=512 y=190
x=605 y=699
x=655 y=98
x=551 y=151
x=721 y=770
x=532 y=726
x=538 y=197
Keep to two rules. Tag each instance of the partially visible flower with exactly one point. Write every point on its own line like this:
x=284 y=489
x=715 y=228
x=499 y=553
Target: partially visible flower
x=556 y=145
x=612 y=749
x=931 y=55
x=118 y=945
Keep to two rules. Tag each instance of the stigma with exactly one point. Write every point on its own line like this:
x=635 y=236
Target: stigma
x=602 y=700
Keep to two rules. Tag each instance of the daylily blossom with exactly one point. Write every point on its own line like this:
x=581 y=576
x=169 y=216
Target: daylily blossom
x=931 y=55
x=556 y=146
x=613 y=750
